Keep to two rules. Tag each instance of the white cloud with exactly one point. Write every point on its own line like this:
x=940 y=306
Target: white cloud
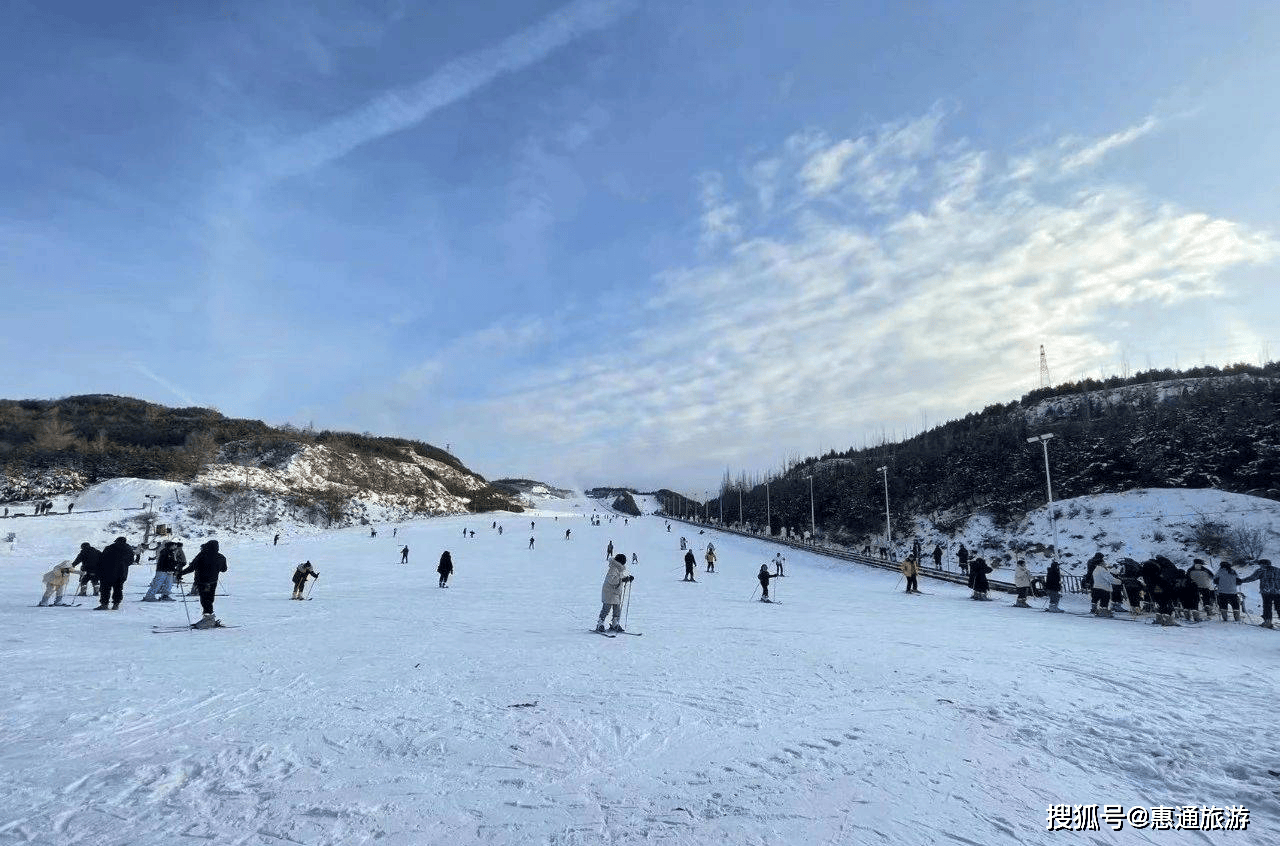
x=1092 y=153
x=826 y=320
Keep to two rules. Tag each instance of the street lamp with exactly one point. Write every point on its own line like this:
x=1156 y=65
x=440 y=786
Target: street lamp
x=768 y=518
x=888 y=529
x=813 y=526
x=1048 y=484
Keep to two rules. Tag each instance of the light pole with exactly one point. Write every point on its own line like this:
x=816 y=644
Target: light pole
x=1048 y=485
x=888 y=529
x=151 y=501
x=813 y=526
x=739 y=508
x=768 y=518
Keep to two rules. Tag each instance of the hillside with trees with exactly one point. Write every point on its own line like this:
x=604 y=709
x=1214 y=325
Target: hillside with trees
x=1201 y=428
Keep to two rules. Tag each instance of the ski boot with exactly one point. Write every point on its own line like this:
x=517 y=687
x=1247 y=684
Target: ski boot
x=102 y=607
x=206 y=621
x=616 y=628
x=600 y=628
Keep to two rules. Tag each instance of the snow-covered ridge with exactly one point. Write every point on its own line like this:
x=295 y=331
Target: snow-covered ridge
x=1151 y=393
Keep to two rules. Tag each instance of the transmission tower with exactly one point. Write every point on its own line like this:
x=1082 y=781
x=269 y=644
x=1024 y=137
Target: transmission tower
x=1044 y=368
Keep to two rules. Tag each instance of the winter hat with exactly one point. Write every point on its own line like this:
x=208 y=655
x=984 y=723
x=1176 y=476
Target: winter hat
x=122 y=539
x=1265 y=562
x=620 y=558
x=1199 y=561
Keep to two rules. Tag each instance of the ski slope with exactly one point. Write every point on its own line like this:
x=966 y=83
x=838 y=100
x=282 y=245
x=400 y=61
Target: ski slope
x=390 y=711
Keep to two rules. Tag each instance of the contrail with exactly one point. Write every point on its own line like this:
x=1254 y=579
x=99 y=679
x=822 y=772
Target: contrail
x=141 y=368
x=402 y=108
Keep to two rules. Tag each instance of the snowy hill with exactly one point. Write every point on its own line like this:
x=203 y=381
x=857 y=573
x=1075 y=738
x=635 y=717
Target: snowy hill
x=1140 y=524
x=850 y=713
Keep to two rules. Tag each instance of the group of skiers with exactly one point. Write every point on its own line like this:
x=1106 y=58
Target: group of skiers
x=107 y=570
x=1159 y=585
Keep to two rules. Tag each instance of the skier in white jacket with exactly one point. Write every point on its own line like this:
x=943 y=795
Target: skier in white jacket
x=56 y=581
x=1103 y=582
x=611 y=592
x=1022 y=581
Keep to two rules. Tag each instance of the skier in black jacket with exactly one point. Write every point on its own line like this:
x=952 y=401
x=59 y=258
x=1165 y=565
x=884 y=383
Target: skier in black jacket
x=113 y=569
x=764 y=576
x=689 y=563
x=162 y=581
x=978 y=570
x=1053 y=587
x=300 y=576
x=445 y=568
x=207 y=565
x=88 y=562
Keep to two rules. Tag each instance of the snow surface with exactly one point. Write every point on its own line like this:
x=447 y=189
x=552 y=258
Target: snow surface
x=387 y=710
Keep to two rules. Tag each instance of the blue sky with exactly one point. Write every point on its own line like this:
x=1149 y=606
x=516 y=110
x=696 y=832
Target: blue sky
x=615 y=241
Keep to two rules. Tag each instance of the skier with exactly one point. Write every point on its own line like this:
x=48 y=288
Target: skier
x=1268 y=578
x=56 y=580
x=689 y=563
x=1228 y=582
x=395 y=531
x=611 y=592
x=710 y=555
x=978 y=579
x=778 y=561
x=937 y=556
x=531 y=543
x=1053 y=587
x=162 y=581
x=300 y=576
x=445 y=568
x=1188 y=596
x=1203 y=579
x=275 y=541
x=207 y=564
x=566 y=533
x=373 y=533
x=499 y=530
x=962 y=555
x=1022 y=581
x=911 y=569
x=1131 y=578
x=88 y=561
x=531 y=525
x=1103 y=582
x=764 y=576
x=608 y=550
x=404 y=555
x=113 y=569
x=635 y=559
x=684 y=544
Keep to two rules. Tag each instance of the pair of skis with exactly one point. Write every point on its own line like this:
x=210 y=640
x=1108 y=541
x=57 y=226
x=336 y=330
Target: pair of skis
x=190 y=628
x=615 y=634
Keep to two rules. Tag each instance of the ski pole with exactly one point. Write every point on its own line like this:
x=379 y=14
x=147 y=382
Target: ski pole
x=312 y=585
x=753 y=592
x=182 y=593
x=626 y=613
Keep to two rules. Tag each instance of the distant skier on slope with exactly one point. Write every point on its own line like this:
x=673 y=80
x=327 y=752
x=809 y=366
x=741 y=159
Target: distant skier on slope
x=611 y=593
x=1022 y=581
x=531 y=543
x=608 y=550
x=684 y=544
x=778 y=561
x=937 y=556
x=445 y=568
x=764 y=576
x=55 y=581
x=689 y=563
x=962 y=555
x=710 y=556
x=404 y=555
x=162 y=581
x=207 y=565
x=1228 y=582
x=566 y=533
x=1053 y=587
x=978 y=570
x=88 y=561
x=300 y=576
x=910 y=569
x=113 y=570
x=1268 y=578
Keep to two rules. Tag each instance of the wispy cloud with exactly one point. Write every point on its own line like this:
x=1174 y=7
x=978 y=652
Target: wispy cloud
x=922 y=274
x=402 y=108
x=164 y=383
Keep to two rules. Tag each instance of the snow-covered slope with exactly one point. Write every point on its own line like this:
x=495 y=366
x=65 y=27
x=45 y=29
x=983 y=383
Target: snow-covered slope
x=1138 y=524
x=390 y=711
